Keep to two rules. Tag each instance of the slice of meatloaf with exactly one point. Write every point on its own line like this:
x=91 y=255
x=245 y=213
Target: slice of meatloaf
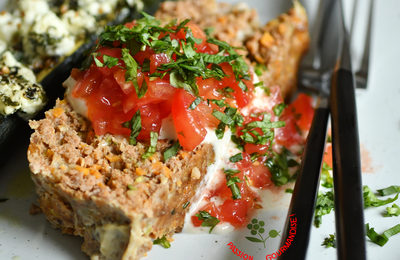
x=278 y=45
x=98 y=187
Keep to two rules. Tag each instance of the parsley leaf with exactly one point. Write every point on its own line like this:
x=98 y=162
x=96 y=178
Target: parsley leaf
x=278 y=166
x=162 y=241
x=381 y=240
x=208 y=220
x=330 y=241
x=135 y=124
x=325 y=203
x=289 y=191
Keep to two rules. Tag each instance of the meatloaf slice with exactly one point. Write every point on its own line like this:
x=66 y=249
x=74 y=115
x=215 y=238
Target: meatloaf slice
x=100 y=188
x=278 y=45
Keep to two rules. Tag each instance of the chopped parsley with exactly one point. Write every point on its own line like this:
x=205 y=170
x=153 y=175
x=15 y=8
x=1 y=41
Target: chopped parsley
x=326 y=178
x=330 y=241
x=278 y=165
x=186 y=205
x=232 y=181
x=393 y=211
x=381 y=240
x=278 y=109
x=370 y=200
x=135 y=125
x=172 y=151
x=236 y=158
x=152 y=148
x=162 y=241
x=208 y=220
x=195 y=103
x=325 y=203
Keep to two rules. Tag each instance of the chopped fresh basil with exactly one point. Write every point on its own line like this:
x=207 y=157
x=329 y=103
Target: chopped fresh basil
x=325 y=203
x=146 y=65
x=381 y=240
x=135 y=125
x=278 y=109
x=186 y=205
x=278 y=166
x=236 y=158
x=231 y=172
x=289 y=191
x=195 y=103
x=110 y=61
x=172 y=151
x=231 y=182
x=131 y=72
x=330 y=241
x=162 y=241
x=152 y=148
x=393 y=211
x=208 y=220
x=222 y=117
x=389 y=190
x=370 y=200
x=220 y=103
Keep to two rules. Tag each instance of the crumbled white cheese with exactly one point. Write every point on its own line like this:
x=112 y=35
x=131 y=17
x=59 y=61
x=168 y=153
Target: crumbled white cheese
x=98 y=7
x=18 y=88
x=3 y=46
x=48 y=36
x=9 y=26
x=78 y=22
x=30 y=9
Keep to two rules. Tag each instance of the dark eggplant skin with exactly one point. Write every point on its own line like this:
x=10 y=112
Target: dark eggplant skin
x=14 y=130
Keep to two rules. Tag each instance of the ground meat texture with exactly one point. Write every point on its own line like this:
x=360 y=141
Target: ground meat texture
x=98 y=187
x=279 y=45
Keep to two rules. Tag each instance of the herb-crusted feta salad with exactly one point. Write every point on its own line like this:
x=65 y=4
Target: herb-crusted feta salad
x=36 y=34
x=18 y=88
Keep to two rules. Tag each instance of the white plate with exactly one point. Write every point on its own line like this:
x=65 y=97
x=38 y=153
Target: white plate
x=23 y=236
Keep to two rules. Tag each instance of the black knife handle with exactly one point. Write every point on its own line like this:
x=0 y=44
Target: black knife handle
x=349 y=208
x=305 y=192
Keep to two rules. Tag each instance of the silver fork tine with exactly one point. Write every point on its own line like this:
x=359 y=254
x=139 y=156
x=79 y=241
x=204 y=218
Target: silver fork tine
x=362 y=73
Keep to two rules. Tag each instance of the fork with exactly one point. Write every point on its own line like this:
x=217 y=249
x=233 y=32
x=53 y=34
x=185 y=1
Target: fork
x=313 y=76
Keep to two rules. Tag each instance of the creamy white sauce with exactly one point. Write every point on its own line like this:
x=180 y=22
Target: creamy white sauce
x=79 y=105
x=223 y=149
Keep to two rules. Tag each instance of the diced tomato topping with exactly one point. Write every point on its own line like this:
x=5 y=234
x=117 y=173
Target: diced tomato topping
x=157 y=60
x=303 y=111
x=190 y=129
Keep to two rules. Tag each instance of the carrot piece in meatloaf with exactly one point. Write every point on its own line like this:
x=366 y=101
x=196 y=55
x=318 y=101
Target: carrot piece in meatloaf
x=103 y=191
